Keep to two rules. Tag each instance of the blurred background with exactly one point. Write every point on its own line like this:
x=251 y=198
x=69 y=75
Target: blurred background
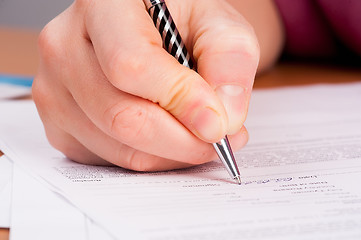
x=20 y=24
x=30 y=14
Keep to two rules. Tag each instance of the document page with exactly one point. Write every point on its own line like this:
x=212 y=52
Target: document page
x=6 y=174
x=38 y=213
x=301 y=172
x=8 y=91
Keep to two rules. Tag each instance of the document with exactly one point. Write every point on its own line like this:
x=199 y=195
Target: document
x=6 y=171
x=32 y=211
x=301 y=172
x=12 y=91
x=38 y=213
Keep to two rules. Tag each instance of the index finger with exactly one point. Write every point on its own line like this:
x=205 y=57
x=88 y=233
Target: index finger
x=131 y=55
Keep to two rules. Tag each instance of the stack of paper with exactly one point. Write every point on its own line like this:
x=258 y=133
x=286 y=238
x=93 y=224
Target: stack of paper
x=300 y=173
x=34 y=212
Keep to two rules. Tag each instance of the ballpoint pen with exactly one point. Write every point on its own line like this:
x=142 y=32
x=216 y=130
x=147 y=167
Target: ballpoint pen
x=173 y=43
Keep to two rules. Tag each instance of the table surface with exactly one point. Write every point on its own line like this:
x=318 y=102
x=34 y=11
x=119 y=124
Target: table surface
x=19 y=55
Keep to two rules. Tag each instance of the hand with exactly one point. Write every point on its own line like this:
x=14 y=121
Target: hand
x=108 y=93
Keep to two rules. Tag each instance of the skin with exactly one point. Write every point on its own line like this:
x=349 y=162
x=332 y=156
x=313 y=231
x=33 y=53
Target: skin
x=108 y=93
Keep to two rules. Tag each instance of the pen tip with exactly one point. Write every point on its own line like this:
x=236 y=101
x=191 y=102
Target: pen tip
x=238 y=178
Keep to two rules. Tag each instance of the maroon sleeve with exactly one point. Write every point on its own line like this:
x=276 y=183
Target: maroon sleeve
x=344 y=16
x=314 y=28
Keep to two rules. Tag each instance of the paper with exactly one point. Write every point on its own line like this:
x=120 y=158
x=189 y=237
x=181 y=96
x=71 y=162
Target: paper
x=14 y=86
x=6 y=170
x=40 y=214
x=11 y=91
x=300 y=175
x=95 y=232
x=37 y=212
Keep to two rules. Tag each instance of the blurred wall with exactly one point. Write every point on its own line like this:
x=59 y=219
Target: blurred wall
x=32 y=14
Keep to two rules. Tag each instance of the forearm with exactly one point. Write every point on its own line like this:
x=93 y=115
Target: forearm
x=267 y=24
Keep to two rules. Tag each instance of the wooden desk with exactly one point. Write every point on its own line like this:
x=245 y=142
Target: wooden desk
x=18 y=51
x=18 y=55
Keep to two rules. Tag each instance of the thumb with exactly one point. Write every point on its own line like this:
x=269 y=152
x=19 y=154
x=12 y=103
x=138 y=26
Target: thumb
x=227 y=55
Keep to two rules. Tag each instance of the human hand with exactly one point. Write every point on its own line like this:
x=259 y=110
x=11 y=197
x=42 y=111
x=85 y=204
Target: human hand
x=107 y=92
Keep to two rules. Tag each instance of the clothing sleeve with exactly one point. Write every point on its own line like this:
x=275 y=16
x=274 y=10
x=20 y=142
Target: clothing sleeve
x=317 y=28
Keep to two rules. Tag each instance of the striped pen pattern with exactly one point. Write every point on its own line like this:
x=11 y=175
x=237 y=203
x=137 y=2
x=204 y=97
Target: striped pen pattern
x=171 y=38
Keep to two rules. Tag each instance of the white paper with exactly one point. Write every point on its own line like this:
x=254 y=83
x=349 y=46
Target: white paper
x=8 y=91
x=300 y=175
x=95 y=232
x=38 y=213
x=6 y=170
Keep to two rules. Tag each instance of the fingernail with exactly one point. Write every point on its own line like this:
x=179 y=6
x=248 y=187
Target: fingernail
x=234 y=100
x=208 y=124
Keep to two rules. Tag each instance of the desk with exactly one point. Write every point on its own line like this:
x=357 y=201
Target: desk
x=18 y=50
x=19 y=56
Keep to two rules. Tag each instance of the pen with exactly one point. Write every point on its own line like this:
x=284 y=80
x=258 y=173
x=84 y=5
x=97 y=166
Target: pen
x=173 y=43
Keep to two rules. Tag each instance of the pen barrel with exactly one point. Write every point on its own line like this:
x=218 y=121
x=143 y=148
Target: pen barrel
x=172 y=40
x=174 y=44
x=151 y=3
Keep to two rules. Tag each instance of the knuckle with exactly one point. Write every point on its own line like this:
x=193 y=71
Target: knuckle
x=70 y=146
x=141 y=162
x=137 y=164
x=67 y=149
x=48 y=43
x=245 y=44
x=58 y=143
x=81 y=4
x=237 y=38
x=179 y=93
x=125 y=65
x=129 y=158
x=126 y=121
x=40 y=93
x=62 y=146
x=250 y=47
x=89 y=8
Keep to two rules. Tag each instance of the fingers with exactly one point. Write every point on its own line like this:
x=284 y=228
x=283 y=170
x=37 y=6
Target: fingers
x=116 y=95
x=131 y=56
x=129 y=119
x=227 y=55
x=65 y=131
x=126 y=119
x=70 y=146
